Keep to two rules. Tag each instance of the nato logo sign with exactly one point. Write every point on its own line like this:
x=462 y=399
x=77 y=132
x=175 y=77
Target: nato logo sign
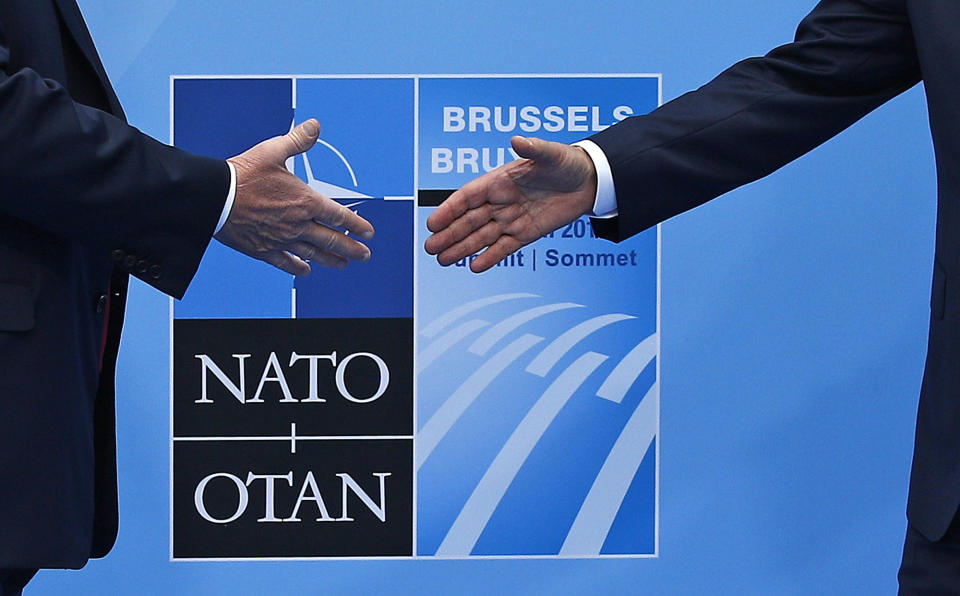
x=364 y=158
x=399 y=409
x=292 y=438
x=292 y=400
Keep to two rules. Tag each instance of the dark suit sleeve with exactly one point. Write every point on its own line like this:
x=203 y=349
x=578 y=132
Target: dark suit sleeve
x=849 y=56
x=84 y=175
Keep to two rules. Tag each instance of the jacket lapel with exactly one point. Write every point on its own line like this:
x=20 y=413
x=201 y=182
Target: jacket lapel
x=73 y=20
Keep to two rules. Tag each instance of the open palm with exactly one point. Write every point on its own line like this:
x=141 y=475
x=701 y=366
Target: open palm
x=550 y=186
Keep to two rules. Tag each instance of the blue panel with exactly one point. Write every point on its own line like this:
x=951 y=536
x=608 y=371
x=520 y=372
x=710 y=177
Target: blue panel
x=631 y=530
x=793 y=308
x=564 y=466
x=470 y=501
x=381 y=287
x=222 y=118
x=367 y=133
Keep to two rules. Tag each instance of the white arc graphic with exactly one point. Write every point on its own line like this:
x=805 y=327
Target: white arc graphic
x=559 y=347
x=618 y=383
x=491 y=336
x=476 y=513
x=446 y=341
x=595 y=518
x=463 y=310
x=447 y=415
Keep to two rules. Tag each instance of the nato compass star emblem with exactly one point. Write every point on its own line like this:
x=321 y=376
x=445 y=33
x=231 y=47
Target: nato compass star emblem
x=323 y=187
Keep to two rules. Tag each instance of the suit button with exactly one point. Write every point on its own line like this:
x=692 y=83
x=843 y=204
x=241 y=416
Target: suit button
x=129 y=261
x=142 y=266
x=155 y=272
x=101 y=304
x=118 y=255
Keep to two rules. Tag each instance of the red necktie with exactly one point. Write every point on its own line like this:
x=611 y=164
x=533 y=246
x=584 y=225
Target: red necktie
x=106 y=327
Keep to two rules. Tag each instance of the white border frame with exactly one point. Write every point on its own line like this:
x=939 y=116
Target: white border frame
x=416 y=181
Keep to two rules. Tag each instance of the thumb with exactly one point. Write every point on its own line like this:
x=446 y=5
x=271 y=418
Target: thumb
x=301 y=138
x=538 y=150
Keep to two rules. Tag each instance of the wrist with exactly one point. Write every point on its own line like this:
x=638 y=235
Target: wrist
x=589 y=186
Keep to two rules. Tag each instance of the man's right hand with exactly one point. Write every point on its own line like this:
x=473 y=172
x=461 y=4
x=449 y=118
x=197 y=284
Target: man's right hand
x=550 y=186
x=280 y=220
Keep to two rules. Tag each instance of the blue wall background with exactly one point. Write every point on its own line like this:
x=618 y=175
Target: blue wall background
x=793 y=310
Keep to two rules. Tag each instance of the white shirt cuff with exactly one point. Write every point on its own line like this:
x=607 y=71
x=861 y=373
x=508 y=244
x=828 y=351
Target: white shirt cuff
x=231 y=195
x=605 y=205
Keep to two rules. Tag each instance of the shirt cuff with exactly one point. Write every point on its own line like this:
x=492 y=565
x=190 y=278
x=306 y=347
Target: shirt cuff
x=605 y=205
x=231 y=195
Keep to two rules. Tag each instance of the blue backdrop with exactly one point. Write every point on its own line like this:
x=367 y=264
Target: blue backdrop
x=793 y=313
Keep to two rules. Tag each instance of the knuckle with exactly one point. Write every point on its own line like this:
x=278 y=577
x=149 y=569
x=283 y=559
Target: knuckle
x=288 y=235
x=330 y=242
x=296 y=138
x=340 y=215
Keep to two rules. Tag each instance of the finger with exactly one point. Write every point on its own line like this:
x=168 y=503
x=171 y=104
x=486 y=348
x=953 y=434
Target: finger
x=496 y=187
x=287 y=262
x=472 y=244
x=459 y=229
x=453 y=207
x=543 y=152
x=315 y=256
x=299 y=140
x=329 y=212
x=471 y=195
x=334 y=241
x=501 y=249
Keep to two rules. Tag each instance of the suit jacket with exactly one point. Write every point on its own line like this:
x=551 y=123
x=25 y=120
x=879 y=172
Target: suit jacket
x=85 y=200
x=849 y=56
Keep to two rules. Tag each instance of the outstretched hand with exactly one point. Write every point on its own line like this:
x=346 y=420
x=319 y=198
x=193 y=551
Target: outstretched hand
x=280 y=220
x=550 y=186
